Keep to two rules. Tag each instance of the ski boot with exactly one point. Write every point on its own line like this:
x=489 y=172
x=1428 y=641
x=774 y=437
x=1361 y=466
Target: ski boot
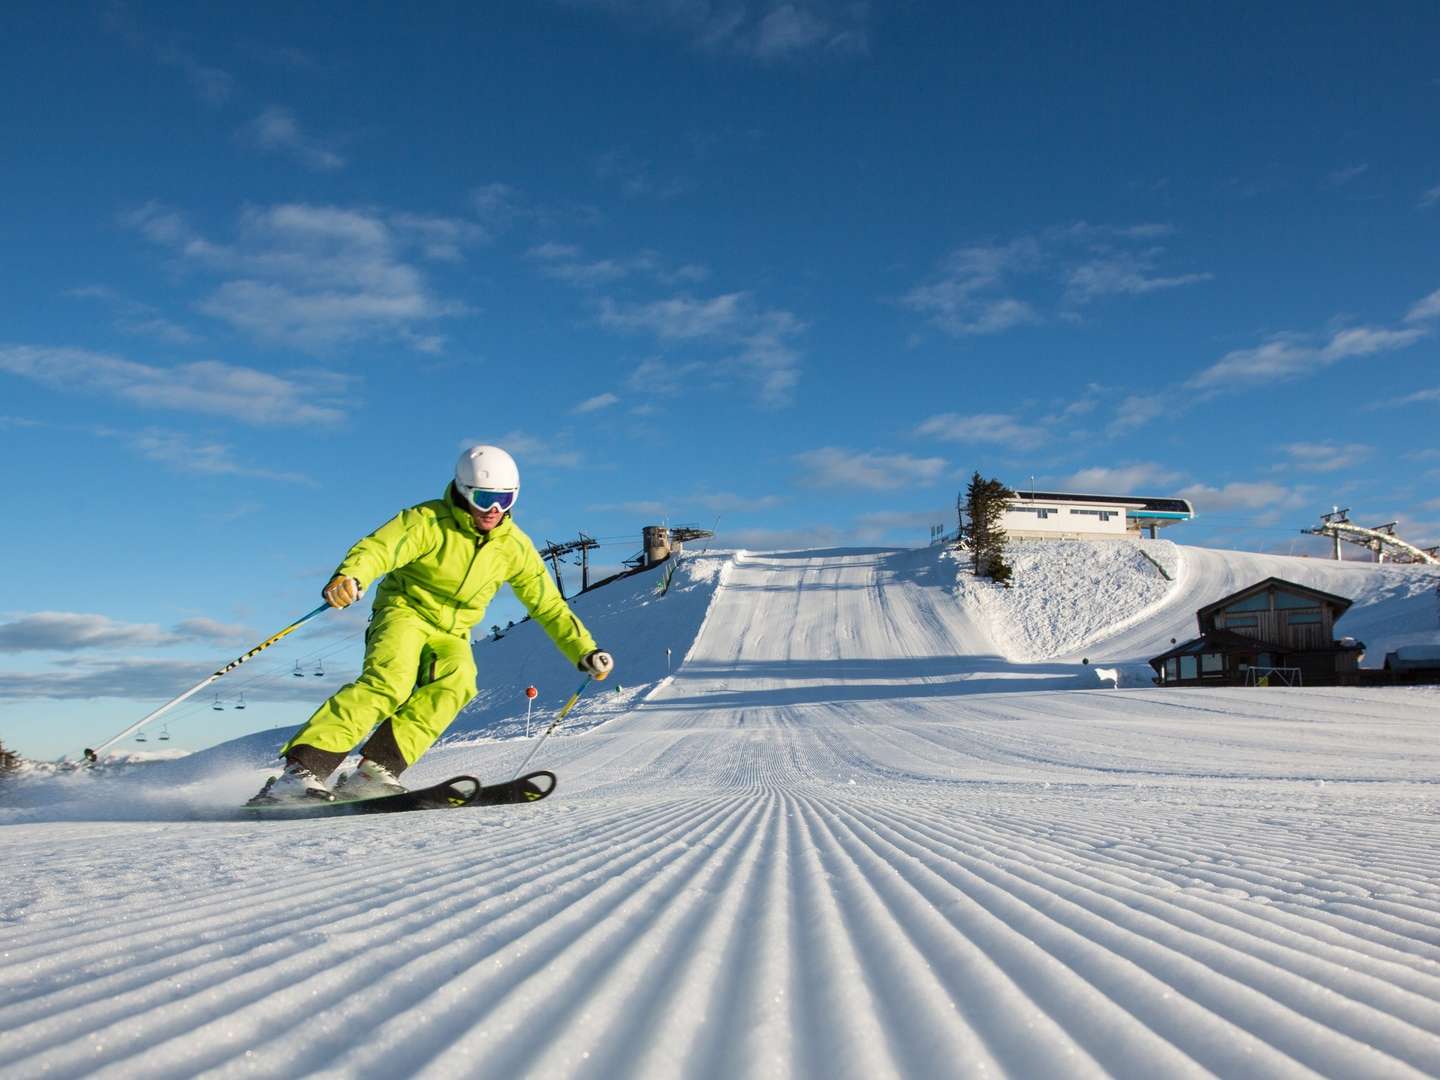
x=296 y=784
x=370 y=780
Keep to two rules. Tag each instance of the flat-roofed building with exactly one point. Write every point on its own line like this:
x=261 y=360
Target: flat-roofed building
x=1054 y=515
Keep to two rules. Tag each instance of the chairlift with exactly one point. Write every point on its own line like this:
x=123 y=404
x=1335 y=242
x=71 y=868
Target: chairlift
x=320 y=668
x=297 y=672
x=141 y=737
x=217 y=706
x=165 y=733
x=241 y=703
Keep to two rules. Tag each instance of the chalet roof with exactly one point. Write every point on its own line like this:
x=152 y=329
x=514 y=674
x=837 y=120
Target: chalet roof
x=1217 y=641
x=1227 y=641
x=1340 y=603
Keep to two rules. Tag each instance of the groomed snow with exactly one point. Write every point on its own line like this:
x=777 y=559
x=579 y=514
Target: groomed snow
x=879 y=822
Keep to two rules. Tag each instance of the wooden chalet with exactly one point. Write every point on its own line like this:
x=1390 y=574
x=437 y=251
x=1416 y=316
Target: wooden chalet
x=1273 y=631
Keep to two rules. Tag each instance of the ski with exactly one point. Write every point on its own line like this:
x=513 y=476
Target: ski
x=452 y=794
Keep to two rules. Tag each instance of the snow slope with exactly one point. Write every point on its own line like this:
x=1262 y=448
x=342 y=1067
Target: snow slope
x=847 y=837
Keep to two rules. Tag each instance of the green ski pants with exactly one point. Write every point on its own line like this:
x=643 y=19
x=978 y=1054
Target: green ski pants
x=415 y=675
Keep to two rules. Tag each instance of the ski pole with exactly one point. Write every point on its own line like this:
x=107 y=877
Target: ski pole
x=558 y=717
x=94 y=755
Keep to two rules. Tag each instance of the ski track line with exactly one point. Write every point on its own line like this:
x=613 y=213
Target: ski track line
x=1289 y=975
x=543 y=969
x=277 y=935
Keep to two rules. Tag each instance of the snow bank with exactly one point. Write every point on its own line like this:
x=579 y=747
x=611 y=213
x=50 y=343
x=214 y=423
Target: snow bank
x=1064 y=592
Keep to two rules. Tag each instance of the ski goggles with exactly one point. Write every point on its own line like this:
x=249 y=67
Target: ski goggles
x=485 y=500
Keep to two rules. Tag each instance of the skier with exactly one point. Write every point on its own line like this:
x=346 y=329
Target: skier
x=442 y=561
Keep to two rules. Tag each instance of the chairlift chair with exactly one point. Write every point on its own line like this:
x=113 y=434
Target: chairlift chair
x=217 y=706
x=141 y=737
x=297 y=672
x=165 y=733
x=241 y=703
x=320 y=668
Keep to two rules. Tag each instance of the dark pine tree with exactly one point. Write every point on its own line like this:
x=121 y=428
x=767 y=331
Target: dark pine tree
x=9 y=760
x=985 y=503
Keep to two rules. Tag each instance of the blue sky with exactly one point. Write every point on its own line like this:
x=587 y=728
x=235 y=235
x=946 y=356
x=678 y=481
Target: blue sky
x=792 y=270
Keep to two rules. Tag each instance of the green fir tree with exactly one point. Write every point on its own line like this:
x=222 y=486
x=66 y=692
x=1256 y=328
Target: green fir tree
x=9 y=760
x=985 y=502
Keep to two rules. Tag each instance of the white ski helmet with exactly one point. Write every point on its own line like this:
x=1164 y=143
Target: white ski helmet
x=487 y=476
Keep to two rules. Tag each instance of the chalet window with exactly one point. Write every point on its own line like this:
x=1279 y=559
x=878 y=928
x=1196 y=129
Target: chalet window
x=1260 y=602
x=1188 y=668
x=1252 y=621
x=1212 y=663
x=1286 y=600
x=1295 y=618
x=1172 y=670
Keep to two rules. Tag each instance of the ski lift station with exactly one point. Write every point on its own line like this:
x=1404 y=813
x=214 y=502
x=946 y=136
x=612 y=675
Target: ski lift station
x=1053 y=515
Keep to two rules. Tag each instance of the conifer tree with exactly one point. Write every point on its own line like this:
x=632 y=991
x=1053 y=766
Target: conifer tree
x=9 y=760
x=985 y=503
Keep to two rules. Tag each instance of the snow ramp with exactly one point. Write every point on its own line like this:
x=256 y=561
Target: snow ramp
x=845 y=838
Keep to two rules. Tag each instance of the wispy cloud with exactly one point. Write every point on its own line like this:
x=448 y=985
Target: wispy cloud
x=1136 y=410
x=277 y=129
x=1324 y=456
x=311 y=277
x=136 y=679
x=978 y=289
x=135 y=318
x=754 y=343
x=1002 y=429
x=1431 y=197
x=570 y=264
x=1343 y=176
x=1128 y=479
x=596 y=403
x=723 y=502
x=1242 y=496
x=1287 y=356
x=186 y=453
x=214 y=85
x=65 y=631
x=207 y=387
x=1426 y=309
x=772 y=30
x=833 y=466
x=636 y=177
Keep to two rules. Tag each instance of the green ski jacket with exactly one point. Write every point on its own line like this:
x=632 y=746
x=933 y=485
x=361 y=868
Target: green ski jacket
x=436 y=563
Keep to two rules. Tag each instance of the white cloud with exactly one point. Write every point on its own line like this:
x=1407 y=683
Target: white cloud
x=1423 y=310
x=756 y=342
x=65 y=631
x=307 y=276
x=832 y=466
x=727 y=501
x=594 y=404
x=278 y=130
x=1341 y=177
x=214 y=85
x=769 y=31
x=1122 y=274
x=975 y=290
x=1001 y=428
x=1324 y=456
x=1289 y=355
x=1241 y=496
x=1431 y=197
x=1122 y=479
x=1137 y=410
x=135 y=318
x=207 y=387
x=532 y=451
x=185 y=453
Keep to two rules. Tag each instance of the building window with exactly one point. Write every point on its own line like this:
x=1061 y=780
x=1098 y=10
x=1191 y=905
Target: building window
x=1187 y=667
x=1290 y=600
x=1231 y=622
x=1260 y=602
x=1172 y=670
x=1296 y=618
x=1103 y=515
x=1212 y=663
x=1038 y=511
